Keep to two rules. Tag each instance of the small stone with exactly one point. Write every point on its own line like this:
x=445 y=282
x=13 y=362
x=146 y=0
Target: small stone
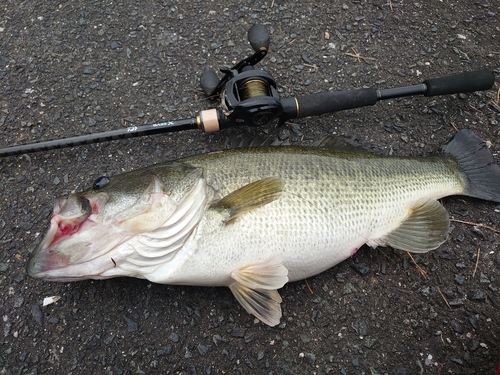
x=216 y=339
x=17 y=301
x=203 y=349
x=348 y=288
x=296 y=129
x=287 y=370
x=473 y=321
x=238 y=332
x=361 y=328
x=484 y=279
x=457 y=327
x=89 y=121
x=89 y=70
x=476 y=295
x=108 y=340
x=166 y=350
x=459 y=279
x=249 y=363
x=36 y=313
x=250 y=337
x=132 y=325
x=369 y=342
x=458 y=361
x=310 y=358
x=340 y=277
x=456 y=302
x=283 y=134
x=305 y=338
x=18 y=277
x=361 y=268
x=174 y=337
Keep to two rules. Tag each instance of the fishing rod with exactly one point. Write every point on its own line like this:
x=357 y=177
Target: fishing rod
x=250 y=97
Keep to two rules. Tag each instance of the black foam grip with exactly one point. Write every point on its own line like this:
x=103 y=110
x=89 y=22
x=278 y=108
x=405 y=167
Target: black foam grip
x=318 y=104
x=463 y=82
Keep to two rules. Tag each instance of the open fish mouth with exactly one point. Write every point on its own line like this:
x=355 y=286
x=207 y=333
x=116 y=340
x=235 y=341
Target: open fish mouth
x=71 y=215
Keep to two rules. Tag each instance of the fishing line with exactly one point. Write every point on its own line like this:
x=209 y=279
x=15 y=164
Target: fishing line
x=253 y=88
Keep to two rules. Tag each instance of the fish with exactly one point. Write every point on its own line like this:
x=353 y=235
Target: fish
x=253 y=219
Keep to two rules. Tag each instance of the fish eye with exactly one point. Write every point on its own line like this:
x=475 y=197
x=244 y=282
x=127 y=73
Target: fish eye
x=100 y=182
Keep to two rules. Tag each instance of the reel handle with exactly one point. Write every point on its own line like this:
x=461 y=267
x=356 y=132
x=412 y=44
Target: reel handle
x=209 y=81
x=259 y=40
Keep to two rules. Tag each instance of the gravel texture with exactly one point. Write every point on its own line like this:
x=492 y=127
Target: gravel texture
x=74 y=67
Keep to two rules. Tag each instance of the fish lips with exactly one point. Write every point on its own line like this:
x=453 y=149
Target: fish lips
x=47 y=264
x=54 y=259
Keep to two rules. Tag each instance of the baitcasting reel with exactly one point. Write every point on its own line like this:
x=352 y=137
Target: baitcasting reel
x=247 y=96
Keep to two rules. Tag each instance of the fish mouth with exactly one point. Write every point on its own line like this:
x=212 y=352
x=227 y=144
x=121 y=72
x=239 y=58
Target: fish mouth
x=50 y=264
x=52 y=259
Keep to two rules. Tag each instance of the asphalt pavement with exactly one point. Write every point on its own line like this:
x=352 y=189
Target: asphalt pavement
x=73 y=67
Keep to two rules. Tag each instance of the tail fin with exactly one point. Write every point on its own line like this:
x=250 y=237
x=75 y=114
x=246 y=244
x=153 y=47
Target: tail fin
x=476 y=163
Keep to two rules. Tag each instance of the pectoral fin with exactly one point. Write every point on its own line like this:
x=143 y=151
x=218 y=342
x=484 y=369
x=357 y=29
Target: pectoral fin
x=255 y=288
x=251 y=196
x=425 y=228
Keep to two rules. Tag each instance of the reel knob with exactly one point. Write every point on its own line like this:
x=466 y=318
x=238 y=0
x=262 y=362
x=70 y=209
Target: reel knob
x=209 y=81
x=258 y=37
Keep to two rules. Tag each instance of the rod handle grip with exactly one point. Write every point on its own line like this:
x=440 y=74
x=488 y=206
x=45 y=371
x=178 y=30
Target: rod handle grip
x=327 y=102
x=464 y=82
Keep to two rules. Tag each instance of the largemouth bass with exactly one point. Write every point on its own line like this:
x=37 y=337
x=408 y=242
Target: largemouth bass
x=254 y=219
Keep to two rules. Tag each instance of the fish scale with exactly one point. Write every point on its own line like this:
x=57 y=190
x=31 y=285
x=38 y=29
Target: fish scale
x=253 y=219
x=332 y=201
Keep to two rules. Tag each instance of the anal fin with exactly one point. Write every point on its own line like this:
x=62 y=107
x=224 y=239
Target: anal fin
x=425 y=228
x=255 y=287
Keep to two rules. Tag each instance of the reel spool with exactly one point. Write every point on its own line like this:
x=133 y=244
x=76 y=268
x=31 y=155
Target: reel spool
x=252 y=88
x=251 y=98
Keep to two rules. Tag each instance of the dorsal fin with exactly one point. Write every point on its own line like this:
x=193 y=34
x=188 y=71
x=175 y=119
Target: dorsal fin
x=342 y=144
x=333 y=142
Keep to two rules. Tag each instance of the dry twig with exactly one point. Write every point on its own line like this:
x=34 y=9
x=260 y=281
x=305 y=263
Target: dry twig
x=314 y=66
x=444 y=298
x=420 y=269
x=357 y=55
x=477 y=262
x=476 y=224
x=496 y=103
x=309 y=287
